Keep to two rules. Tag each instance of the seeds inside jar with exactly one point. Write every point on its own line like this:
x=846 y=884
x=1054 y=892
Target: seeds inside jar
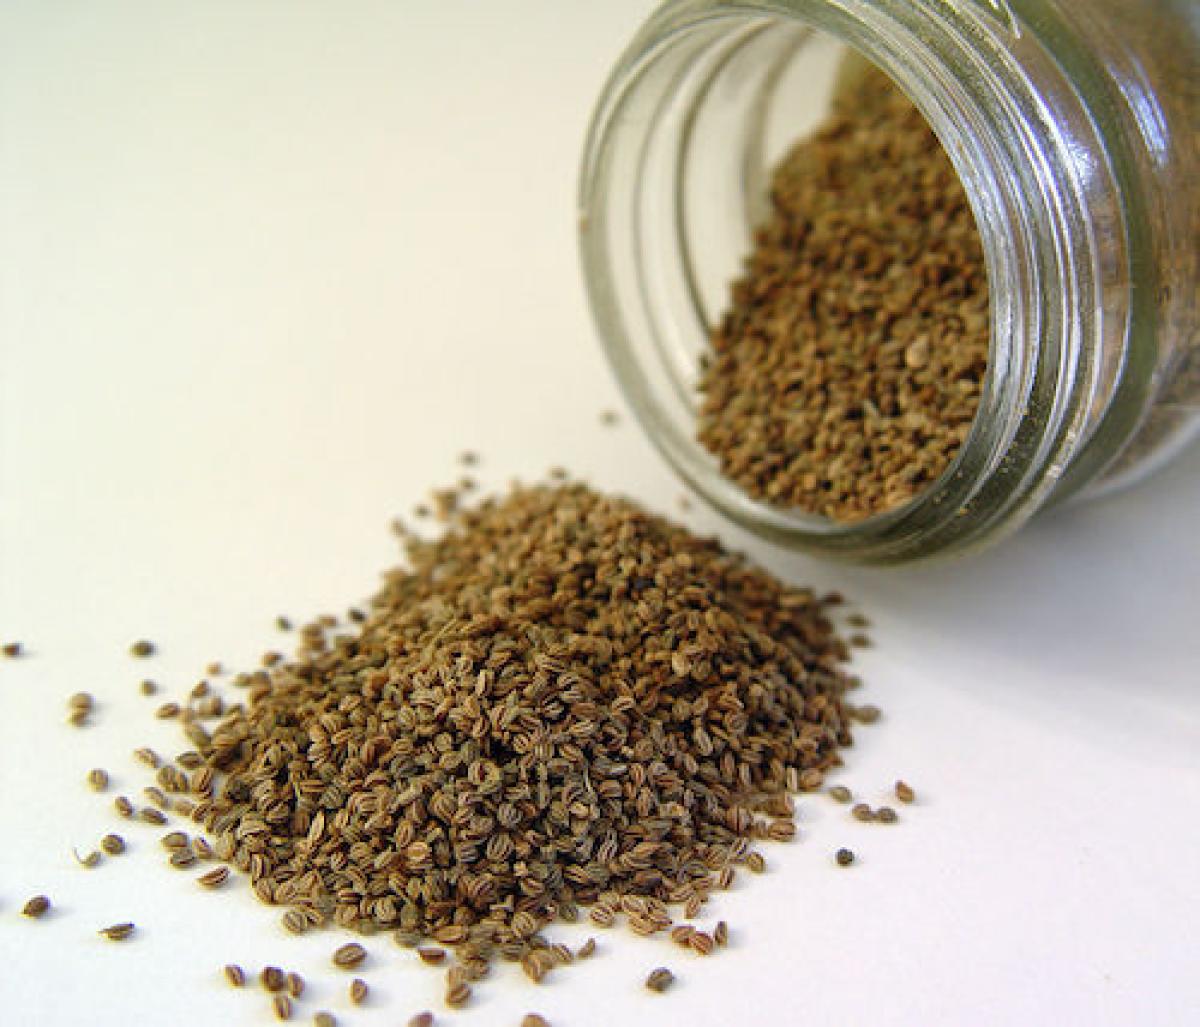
x=848 y=368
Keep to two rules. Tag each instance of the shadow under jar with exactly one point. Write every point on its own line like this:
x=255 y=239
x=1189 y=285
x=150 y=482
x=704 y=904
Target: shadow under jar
x=1074 y=129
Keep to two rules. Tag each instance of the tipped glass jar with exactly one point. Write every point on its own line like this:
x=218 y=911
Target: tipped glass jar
x=1075 y=131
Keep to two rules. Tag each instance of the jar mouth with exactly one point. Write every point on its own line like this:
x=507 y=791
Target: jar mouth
x=651 y=212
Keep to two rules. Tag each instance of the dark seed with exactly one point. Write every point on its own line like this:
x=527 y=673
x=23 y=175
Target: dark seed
x=36 y=906
x=117 y=932
x=660 y=979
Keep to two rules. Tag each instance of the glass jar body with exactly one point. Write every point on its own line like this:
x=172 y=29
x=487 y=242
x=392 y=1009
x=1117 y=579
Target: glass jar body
x=1072 y=129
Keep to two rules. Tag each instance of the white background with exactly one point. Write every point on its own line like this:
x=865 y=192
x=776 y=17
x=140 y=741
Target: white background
x=265 y=269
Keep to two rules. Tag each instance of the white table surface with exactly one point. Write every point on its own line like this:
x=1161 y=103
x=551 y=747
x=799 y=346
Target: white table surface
x=265 y=269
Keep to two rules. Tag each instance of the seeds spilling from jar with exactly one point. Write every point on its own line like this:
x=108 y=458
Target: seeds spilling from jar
x=563 y=701
x=847 y=370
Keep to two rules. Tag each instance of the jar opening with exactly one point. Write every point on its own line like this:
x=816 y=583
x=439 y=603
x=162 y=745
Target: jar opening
x=676 y=178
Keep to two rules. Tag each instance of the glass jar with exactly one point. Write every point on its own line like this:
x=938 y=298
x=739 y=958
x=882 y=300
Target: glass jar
x=1074 y=126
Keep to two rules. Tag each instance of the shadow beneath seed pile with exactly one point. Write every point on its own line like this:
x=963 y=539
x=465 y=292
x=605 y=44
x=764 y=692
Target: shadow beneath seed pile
x=1067 y=617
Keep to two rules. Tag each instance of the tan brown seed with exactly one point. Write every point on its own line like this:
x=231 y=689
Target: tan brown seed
x=886 y=815
x=141 y=649
x=904 y=792
x=422 y=1019
x=167 y=710
x=113 y=844
x=117 y=932
x=534 y=1020
x=97 y=779
x=148 y=687
x=844 y=857
x=721 y=933
x=90 y=860
x=324 y=1019
x=295 y=984
x=214 y=878
x=123 y=806
x=454 y=934
x=756 y=863
x=152 y=816
x=282 y=1006
x=272 y=978
x=36 y=906
x=12 y=649
x=602 y=916
x=235 y=975
x=348 y=956
x=294 y=922
x=431 y=955
x=588 y=948
x=79 y=708
x=358 y=991
x=148 y=756
x=840 y=793
x=682 y=934
x=458 y=995
x=863 y=812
